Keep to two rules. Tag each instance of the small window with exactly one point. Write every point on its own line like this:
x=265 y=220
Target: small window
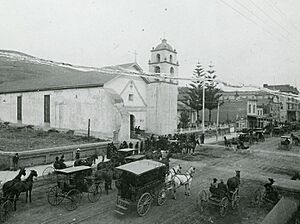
x=254 y=109
x=172 y=71
x=249 y=109
x=158 y=57
x=130 y=97
x=157 y=69
x=171 y=59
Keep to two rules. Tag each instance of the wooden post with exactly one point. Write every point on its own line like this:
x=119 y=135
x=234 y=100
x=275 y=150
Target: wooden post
x=89 y=129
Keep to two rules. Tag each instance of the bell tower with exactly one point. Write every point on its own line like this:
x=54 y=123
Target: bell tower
x=162 y=93
x=164 y=60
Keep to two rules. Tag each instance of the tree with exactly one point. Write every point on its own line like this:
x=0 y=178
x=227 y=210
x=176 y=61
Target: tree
x=194 y=94
x=184 y=119
x=193 y=98
x=212 y=93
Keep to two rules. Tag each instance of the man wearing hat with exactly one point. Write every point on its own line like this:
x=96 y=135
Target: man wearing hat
x=272 y=194
x=214 y=187
x=77 y=154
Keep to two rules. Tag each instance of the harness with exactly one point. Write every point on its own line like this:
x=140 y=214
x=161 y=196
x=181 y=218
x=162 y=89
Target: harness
x=188 y=177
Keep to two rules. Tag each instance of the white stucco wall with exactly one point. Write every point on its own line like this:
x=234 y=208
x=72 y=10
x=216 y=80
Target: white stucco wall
x=125 y=85
x=162 y=108
x=69 y=109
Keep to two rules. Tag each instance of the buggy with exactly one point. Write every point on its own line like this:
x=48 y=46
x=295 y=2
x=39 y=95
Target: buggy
x=140 y=183
x=223 y=202
x=285 y=143
x=71 y=183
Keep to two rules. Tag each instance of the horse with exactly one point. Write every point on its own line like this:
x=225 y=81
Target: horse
x=23 y=186
x=172 y=172
x=9 y=184
x=106 y=175
x=86 y=162
x=234 y=182
x=183 y=179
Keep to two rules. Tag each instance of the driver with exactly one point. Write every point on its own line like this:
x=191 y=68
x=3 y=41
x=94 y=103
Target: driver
x=272 y=194
x=56 y=163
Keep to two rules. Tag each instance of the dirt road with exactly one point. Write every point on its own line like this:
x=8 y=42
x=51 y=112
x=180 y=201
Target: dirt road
x=255 y=167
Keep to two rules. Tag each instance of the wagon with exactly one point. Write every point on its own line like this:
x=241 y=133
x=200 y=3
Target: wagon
x=285 y=143
x=72 y=182
x=140 y=183
x=223 y=203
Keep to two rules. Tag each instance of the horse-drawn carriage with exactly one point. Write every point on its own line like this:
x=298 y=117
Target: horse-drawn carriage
x=267 y=195
x=225 y=197
x=285 y=143
x=6 y=208
x=71 y=183
x=141 y=182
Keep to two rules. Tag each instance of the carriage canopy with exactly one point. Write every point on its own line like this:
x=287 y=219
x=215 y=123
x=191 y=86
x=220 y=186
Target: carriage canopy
x=73 y=169
x=141 y=166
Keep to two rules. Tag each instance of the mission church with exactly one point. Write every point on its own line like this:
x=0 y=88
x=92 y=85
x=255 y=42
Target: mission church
x=62 y=96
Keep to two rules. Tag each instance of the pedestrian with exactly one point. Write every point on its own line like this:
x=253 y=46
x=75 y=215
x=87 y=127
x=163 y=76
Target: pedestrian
x=77 y=154
x=202 y=138
x=16 y=161
x=131 y=145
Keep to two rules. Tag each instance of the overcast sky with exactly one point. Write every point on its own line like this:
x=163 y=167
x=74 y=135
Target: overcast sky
x=248 y=41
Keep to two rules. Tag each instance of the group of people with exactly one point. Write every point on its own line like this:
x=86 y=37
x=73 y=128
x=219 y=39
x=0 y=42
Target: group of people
x=59 y=163
x=218 y=189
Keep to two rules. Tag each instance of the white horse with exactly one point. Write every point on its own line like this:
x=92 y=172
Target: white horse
x=183 y=179
x=172 y=172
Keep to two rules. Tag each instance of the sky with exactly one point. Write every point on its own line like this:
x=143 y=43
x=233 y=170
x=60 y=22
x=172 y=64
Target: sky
x=247 y=41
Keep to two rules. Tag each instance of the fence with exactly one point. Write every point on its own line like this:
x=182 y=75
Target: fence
x=47 y=155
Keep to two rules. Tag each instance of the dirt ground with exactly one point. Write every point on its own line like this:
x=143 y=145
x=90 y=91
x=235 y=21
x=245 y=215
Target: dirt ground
x=264 y=161
x=22 y=139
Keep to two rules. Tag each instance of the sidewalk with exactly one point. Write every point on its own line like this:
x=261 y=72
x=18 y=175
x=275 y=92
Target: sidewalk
x=220 y=138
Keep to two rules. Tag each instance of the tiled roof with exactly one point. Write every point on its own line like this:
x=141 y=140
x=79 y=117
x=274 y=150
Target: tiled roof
x=23 y=73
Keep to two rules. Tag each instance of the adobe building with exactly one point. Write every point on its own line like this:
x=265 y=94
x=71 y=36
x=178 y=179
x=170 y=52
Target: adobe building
x=57 y=95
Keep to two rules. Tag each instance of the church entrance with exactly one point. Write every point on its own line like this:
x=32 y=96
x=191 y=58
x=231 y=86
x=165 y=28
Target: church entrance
x=132 y=122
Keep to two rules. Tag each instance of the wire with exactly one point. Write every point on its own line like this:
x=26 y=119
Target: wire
x=254 y=22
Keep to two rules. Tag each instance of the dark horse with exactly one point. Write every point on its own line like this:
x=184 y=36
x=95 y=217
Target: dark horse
x=7 y=186
x=86 y=162
x=23 y=186
x=234 y=182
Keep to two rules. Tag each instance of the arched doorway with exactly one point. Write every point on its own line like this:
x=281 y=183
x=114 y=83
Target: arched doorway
x=132 y=121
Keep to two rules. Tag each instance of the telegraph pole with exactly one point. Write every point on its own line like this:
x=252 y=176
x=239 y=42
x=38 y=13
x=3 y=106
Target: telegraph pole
x=203 y=108
x=217 y=128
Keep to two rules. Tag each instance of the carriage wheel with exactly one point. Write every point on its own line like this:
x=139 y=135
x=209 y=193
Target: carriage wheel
x=55 y=196
x=144 y=204
x=258 y=197
x=161 y=197
x=224 y=206
x=201 y=200
x=234 y=201
x=72 y=199
x=94 y=192
x=48 y=172
x=6 y=210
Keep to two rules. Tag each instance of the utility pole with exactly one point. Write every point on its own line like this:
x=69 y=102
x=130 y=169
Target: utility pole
x=217 y=128
x=203 y=108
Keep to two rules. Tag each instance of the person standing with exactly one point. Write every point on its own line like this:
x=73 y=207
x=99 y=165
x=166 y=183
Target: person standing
x=202 y=138
x=16 y=161
x=77 y=154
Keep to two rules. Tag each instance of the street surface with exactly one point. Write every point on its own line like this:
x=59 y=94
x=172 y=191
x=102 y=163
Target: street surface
x=262 y=161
